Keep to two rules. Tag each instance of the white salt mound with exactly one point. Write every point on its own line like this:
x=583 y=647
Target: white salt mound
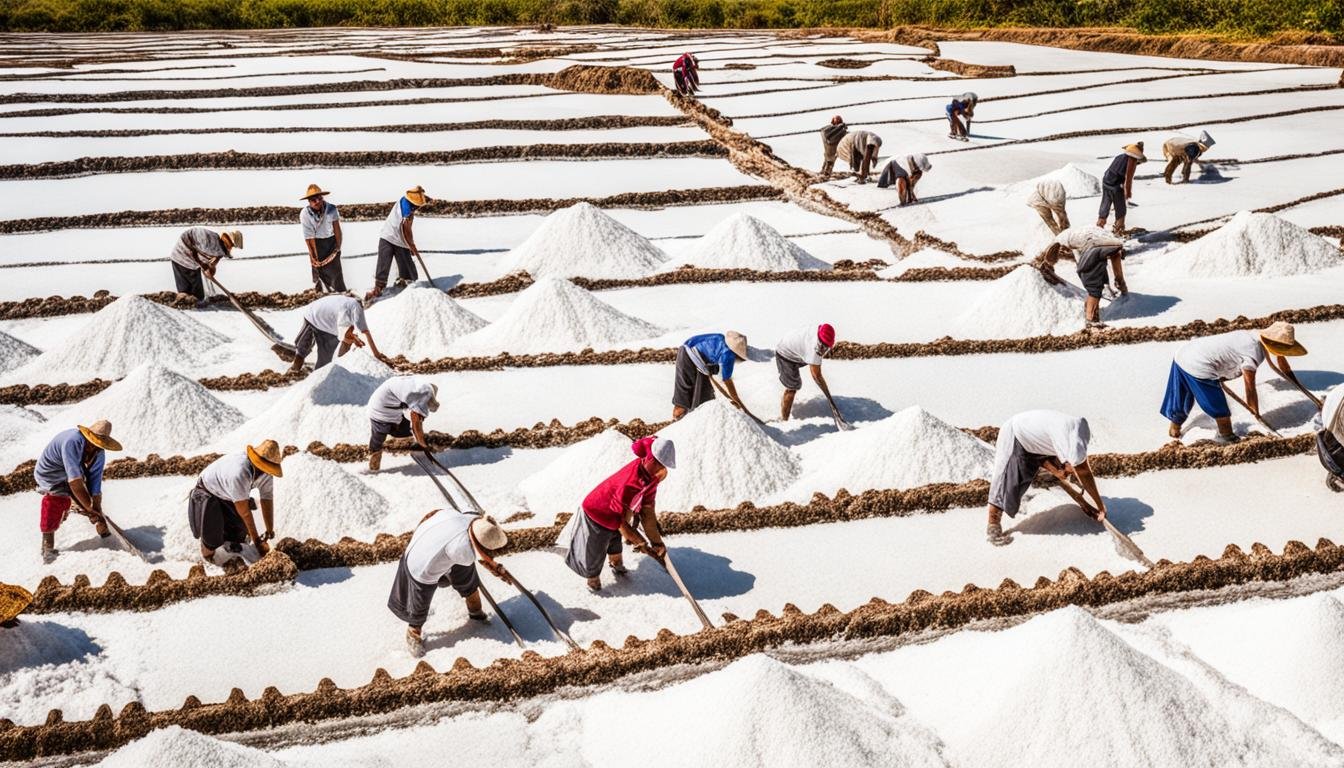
x=745 y=242
x=329 y=405
x=360 y=360
x=14 y=353
x=554 y=315
x=723 y=457
x=318 y=499
x=1021 y=304
x=16 y=422
x=1076 y=181
x=175 y=747
x=1250 y=245
x=127 y=333
x=905 y=450
x=582 y=241
x=564 y=483
x=421 y=322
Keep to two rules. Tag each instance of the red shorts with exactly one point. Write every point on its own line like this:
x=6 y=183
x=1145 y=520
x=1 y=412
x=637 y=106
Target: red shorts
x=54 y=509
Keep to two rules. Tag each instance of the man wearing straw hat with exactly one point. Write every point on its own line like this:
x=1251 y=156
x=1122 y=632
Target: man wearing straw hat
x=1048 y=200
x=398 y=408
x=1183 y=151
x=1117 y=185
x=1202 y=365
x=321 y=224
x=442 y=553
x=904 y=173
x=219 y=509
x=70 y=471
x=329 y=323
x=200 y=249
x=397 y=242
x=1330 y=439
x=699 y=358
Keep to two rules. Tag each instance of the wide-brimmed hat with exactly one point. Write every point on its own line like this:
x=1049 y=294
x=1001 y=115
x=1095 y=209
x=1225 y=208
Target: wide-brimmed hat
x=266 y=457
x=921 y=161
x=736 y=342
x=488 y=533
x=1135 y=151
x=235 y=238
x=417 y=196
x=1281 y=339
x=665 y=451
x=100 y=434
x=433 y=397
x=314 y=191
x=1205 y=139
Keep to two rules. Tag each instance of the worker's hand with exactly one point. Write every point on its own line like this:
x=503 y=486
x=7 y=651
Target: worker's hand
x=498 y=571
x=262 y=547
x=269 y=535
x=1101 y=512
x=1120 y=284
x=209 y=269
x=314 y=263
x=658 y=550
x=356 y=342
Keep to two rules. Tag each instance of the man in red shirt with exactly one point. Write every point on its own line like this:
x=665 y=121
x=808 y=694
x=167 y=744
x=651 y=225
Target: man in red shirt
x=615 y=510
x=686 y=73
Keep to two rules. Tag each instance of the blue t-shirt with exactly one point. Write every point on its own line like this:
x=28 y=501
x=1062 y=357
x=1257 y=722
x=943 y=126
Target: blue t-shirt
x=62 y=461
x=714 y=350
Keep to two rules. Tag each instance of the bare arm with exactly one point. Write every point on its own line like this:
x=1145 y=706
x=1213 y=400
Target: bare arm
x=336 y=230
x=268 y=517
x=408 y=236
x=1129 y=177
x=1118 y=268
x=821 y=383
x=373 y=347
x=1084 y=474
x=1252 y=396
x=245 y=512
x=418 y=429
x=312 y=251
x=80 y=491
x=732 y=393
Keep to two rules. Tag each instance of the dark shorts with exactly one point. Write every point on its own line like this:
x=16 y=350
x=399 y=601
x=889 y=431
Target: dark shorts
x=329 y=277
x=691 y=388
x=1184 y=390
x=387 y=253
x=409 y=600
x=1092 y=268
x=790 y=372
x=189 y=281
x=1008 y=487
x=213 y=520
x=381 y=430
x=1112 y=196
x=591 y=543
x=1330 y=452
x=309 y=337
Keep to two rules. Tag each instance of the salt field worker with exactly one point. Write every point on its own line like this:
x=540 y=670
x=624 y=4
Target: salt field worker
x=686 y=74
x=961 y=108
x=219 y=509
x=398 y=408
x=616 y=509
x=1028 y=442
x=396 y=242
x=1330 y=439
x=830 y=144
x=69 y=472
x=807 y=346
x=442 y=553
x=1093 y=249
x=200 y=249
x=1117 y=185
x=703 y=356
x=1183 y=151
x=329 y=323
x=904 y=173
x=1201 y=366
x=859 y=149
x=321 y=224
x=1048 y=199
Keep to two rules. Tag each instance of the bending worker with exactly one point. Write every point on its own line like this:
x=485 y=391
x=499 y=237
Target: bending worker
x=904 y=173
x=830 y=144
x=396 y=241
x=962 y=107
x=1117 y=185
x=1048 y=199
x=329 y=323
x=70 y=471
x=1027 y=442
x=1184 y=151
x=321 y=224
x=686 y=74
x=219 y=509
x=701 y=357
x=198 y=249
x=398 y=408
x=1093 y=250
x=806 y=346
x=1330 y=439
x=1202 y=365
x=859 y=149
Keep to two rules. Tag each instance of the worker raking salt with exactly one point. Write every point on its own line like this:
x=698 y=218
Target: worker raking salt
x=1182 y=152
x=830 y=144
x=69 y=472
x=1093 y=249
x=219 y=509
x=198 y=249
x=1028 y=442
x=442 y=553
x=1117 y=185
x=1330 y=439
x=699 y=358
x=686 y=74
x=329 y=323
x=807 y=346
x=859 y=149
x=904 y=173
x=396 y=241
x=1048 y=199
x=959 y=109
x=398 y=408
x=616 y=509
x=1202 y=365
x=321 y=225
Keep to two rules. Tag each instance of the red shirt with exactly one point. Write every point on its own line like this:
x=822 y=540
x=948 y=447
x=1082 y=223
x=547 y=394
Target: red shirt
x=627 y=490
x=683 y=62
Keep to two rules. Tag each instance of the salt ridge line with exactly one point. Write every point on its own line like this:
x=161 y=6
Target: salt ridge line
x=597 y=122
x=54 y=112
x=87 y=76
x=533 y=674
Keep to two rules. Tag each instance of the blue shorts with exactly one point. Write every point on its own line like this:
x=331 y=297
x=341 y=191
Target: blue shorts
x=1184 y=390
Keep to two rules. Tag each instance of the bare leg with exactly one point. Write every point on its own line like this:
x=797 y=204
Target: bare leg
x=1174 y=429
x=375 y=461
x=1224 y=426
x=207 y=554
x=1092 y=309
x=617 y=563
x=786 y=404
x=474 y=606
x=1119 y=228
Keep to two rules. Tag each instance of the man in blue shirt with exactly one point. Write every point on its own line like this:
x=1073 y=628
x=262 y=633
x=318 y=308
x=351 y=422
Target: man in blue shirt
x=702 y=356
x=70 y=470
x=1117 y=185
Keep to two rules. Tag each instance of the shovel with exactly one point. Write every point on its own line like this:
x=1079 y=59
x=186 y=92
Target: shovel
x=730 y=399
x=1243 y=404
x=1292 y=377
x=282 y=349
x=1123 y=544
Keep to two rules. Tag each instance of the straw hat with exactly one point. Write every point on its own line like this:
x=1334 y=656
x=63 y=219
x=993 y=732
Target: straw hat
x=488 y=533
x=266 y=457
x=100 y=434
x=433 y=397
x=1135 y=151
x=417 y=196
x=314 y=191
x=1281 y=339
x=13 y=599
x=738 y=343
x=235 y=238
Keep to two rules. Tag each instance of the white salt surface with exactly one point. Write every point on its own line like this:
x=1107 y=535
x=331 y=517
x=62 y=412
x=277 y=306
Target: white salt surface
x=582 y=241
x=329 y=405
x=16 y=422
x=563 y=484
x=1250 y=245
x=1021 y=304
x=723 y=457
x=1076 y=181
x=422 y=322
x=318 y=499
x=554 y=315
x=15 y=352
x=175 y=747
x=744 y=242
x=360 y=360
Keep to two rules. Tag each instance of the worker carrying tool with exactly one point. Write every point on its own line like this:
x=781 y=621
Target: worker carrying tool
x=398 y=408
x=859 y=149
x=1202 y=365
x=807 y=346
x=686 y=74
x=1330 y=439
x=1048 y=199
x=200 y=249
x=904 y=173
x=1183 y=151
x=1093 y=250
x=1028 y=442
x=321 y=225
x=69 y=472
x=699 y=358
x=396 y=242
x=442 y=553
x=1117 y=185
x=329 y=323
x=616 y=509
x=219 y=509
x=830 y=144
x=961 y=108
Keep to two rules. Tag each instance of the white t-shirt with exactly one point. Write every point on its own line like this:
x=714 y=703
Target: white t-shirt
x=1047 y=194
x=800 y=346
x=318 y=226
x=1045 y=433
x=1081 y=239
x=1332 y=412
x=391 y=231
x=409 y=393
x=230 y=477
x=1222 y=357
x=438 y=544
x=333 y=314
x=197 y=240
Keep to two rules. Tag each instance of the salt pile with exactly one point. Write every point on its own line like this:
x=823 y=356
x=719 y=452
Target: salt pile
x=360 y=360
x=1250 y=245
x=1076 y=181
x=14 y=353
x=723 y=457
x=564 y=483
x=906 y=450
x=1021 y=304
x=745 y=242
x=582 y=241
x=17 y=421
x=320 y=500
x=554 y=315
x=175 y=747
x=329 y=405
x=125 y=334
x=421 y=323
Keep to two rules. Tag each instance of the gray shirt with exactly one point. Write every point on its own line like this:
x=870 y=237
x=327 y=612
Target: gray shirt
x=318 y=225
x=333 y=314
x=197 y=240
x=409 y=393
x=233 y=478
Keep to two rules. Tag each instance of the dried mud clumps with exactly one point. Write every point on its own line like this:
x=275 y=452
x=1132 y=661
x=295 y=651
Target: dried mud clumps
x=950 y=274
x=52 y=306
x=1203 y=454
x=739 y=65
x=50 y=394
x=587 y=78
x=923 y=239
x=970 y=70
x=844 y=63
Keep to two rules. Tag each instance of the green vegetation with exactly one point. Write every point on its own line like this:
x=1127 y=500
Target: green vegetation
x=1241 y=18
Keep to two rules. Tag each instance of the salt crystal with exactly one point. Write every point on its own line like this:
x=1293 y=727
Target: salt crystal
x=1019 y=305
x=16 y=422
x=554 y=315
x=723 y=457
x=421 y=323
x=1076 y=181
x=176 y=747
x=1250 y=245
x=318 y=499
x=564 y=483
x=582 y=241
x=744 y=242
x=329 y=406
x=14 y=352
